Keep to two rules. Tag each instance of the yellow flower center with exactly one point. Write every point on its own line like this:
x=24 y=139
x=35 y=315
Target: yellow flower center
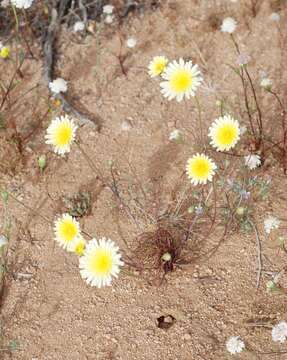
x=226 y=135
x=101 y=262
x=63 y=134
x=181 y=80
x=200 y=168
x=68 y=230
x=80 y=248
x=159 y=67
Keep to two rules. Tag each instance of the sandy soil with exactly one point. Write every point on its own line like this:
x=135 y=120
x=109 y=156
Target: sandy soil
x=51 y=312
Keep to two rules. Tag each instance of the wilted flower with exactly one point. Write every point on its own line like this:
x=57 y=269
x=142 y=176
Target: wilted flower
x=266 y=83
x=252 y=161
x=79 y=26
x=58 y=85
x=243 y=59
x=279 y=332
x=235 y=345
x=109 y=19
x=271 y=223
x=176 y=135
x=22 y=4
x=228 y=25
x=5 y=3
x=3 y=241
x=274 y=17
x=131 y=42
x=181 y=80
x=108 y=9
x=100 y=262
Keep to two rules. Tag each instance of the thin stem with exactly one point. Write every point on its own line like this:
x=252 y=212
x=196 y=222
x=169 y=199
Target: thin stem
x=200 y=122
x=256 y=102
x=16 y=18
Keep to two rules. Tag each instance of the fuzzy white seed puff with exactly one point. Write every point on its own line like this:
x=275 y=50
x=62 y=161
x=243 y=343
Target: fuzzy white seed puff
x=266 y=83
x=67 y=231
x=235 y=345
x=61 y=134
x=131 y=42
x=58 y=85
x=279 y=332
x=228 y=25
x=22 y=4
x=100 y=262
x=108 y=9
x=181 y=80
x=252 y=161
x=200 y=169
x=78 y=26
x=224 y=133
x=157 y=66
x=271 y=223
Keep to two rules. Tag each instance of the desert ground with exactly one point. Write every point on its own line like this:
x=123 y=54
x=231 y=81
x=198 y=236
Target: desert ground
x=48 y=312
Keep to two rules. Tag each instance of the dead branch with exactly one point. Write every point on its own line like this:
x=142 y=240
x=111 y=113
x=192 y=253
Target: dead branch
x=48 y=50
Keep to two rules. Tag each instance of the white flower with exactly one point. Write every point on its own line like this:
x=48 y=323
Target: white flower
x=266 y=83
x=100 y=262
x=181 y=80
x=5 y=3
x=235 y=345
x=22 y=4
x=271 y=223
x=228 y=25
x=79 y=26
x=109 y=19
x=279 y=332
x=252 y=161
x=274 y=17
x=3 y=241
x=58 y=85
x=131 y=42
x=175 y=135
x=108 y=9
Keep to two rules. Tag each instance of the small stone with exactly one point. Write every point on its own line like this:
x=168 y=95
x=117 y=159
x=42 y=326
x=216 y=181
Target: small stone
x=186 y=337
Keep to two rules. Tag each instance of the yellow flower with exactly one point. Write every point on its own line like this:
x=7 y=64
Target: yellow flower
x=100 y=262
x=61 y=134
x=4 y=52
x=67 y=231
x=224 y=133
x=157 y=65
x=182 y=80
x=78 y=246
x=200 y=169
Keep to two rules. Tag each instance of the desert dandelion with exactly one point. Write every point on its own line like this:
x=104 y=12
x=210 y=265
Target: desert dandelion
x=100 y=262
x=200 y=169
x=67 y=230
x=181 y=80
x=61 y=134
x=157 y=66
x=224 y=133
